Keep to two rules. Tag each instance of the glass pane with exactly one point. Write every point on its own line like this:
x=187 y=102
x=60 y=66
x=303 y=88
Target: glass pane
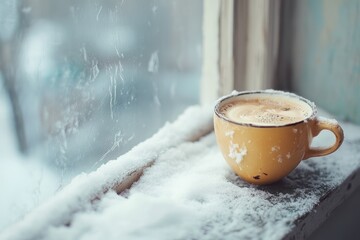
x=84 y=81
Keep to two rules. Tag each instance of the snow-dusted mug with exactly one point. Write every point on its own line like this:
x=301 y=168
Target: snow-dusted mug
x=264 y=135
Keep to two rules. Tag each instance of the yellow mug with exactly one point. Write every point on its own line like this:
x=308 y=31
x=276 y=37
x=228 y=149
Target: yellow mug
x=263 y=154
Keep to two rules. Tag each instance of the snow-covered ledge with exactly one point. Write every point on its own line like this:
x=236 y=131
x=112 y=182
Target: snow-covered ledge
x=189 y=192
x=115 y=175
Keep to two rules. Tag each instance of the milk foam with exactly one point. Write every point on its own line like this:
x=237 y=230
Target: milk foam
x=266 y=111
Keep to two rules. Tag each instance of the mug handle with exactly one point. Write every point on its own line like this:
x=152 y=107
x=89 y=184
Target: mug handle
x=318 y=125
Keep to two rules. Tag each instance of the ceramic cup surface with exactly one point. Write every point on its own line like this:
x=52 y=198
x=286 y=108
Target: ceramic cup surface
x=263 y=152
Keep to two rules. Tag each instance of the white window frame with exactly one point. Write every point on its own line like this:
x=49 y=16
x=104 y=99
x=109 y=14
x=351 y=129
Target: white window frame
x=240 y=47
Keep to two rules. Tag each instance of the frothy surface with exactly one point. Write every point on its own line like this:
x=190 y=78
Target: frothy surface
x=266 y=111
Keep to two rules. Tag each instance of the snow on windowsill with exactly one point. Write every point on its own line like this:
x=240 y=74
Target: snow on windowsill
x=189 y=193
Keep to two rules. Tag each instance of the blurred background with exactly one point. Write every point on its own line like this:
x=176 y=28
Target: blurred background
x=82 y=82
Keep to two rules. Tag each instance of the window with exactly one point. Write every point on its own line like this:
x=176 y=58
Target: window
x=85 y=81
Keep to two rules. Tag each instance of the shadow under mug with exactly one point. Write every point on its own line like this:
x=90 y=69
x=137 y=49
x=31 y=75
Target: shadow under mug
x=265 y=154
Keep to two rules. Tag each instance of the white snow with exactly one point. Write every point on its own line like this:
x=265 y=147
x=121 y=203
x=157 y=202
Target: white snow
x=327 y=120
x=21 y=178
x=237 y=153
x=188 y=193
x=275 y=148
x=75 y=197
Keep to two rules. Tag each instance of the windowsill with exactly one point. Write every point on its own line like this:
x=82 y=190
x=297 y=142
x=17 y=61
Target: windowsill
x=190 y=192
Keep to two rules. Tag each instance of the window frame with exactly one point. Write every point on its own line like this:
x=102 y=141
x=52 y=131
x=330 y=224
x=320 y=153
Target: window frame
x=246 y=38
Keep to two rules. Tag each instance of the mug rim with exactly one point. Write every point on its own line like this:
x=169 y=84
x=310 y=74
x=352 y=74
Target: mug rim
x=270 y=92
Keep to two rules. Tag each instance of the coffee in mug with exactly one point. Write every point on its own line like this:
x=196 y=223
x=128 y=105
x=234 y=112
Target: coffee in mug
x=265 y=111
x=263 y=135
